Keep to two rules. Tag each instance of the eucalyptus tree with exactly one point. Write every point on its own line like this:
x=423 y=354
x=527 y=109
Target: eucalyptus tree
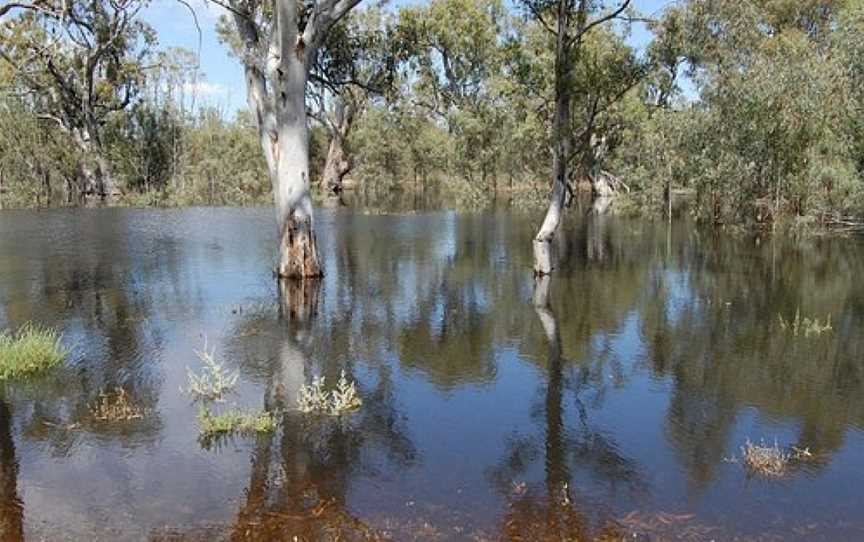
x=568 y=21
x=76 y=64
x=769 y=137
x=358 y=63
x=457 y=52
x=279 y=42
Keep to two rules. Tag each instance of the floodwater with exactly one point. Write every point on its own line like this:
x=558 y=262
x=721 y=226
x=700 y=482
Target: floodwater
x=618 y=413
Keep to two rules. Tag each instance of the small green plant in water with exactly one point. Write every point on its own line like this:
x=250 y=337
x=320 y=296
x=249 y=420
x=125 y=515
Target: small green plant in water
x=234 y=421
x=314 y=398
x=33 y=349
x=805 y=326
x=213 y=382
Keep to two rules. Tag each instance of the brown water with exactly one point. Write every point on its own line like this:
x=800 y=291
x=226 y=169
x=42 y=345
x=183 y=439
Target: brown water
x=664 y=355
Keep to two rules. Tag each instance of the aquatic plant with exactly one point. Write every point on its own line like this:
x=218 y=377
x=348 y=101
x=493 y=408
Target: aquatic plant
x=116 y=406
x=234 y=421
x=771 y=460
x=805 y=326
x=764 y=459
x=314 y=398
x=31 y=350
x=213 y=382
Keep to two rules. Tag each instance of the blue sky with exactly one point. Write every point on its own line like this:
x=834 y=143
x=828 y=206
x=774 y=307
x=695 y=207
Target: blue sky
x=223 y=85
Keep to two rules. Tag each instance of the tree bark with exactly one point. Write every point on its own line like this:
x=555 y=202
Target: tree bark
x=544 y=259
x=277 y=95
x=338 y=163
x=98 y=175
x=290 y=176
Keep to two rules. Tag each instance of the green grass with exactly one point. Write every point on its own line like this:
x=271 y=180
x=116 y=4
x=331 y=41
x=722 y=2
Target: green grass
x=33 y=349
x=234 y=421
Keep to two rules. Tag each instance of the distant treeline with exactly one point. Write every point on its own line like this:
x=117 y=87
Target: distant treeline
x=757 y=108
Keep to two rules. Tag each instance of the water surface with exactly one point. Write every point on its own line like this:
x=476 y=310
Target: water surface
x=616 y=413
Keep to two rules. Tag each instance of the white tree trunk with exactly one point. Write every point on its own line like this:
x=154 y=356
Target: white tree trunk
x=289 y=171
x=544 y=258
x=276 y=92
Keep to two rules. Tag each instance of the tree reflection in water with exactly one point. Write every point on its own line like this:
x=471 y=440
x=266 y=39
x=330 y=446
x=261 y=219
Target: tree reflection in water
x=301 y=475
x=11 y=506
x=556 y=509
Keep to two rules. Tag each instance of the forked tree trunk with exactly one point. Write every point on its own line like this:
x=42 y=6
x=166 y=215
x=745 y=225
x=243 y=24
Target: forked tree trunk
x=276 y=92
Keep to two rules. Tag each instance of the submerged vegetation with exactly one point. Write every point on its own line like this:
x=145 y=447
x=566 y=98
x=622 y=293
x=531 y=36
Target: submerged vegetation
x=234 y=421
x=213 y=382
x=313 y=398
x=805 y=326
x=116 y=406
x=30 y=350
x=770 y=460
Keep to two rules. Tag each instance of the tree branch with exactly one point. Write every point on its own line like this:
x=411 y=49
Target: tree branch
x=599 y=21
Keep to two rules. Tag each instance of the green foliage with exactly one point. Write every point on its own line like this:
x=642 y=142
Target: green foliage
x=31 y=350
x=755 y=108
x=772 y=133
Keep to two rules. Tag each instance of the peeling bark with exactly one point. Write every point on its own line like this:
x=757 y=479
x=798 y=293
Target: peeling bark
x=299 y=250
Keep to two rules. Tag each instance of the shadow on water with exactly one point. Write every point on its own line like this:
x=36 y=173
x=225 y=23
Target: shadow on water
x=603 y=404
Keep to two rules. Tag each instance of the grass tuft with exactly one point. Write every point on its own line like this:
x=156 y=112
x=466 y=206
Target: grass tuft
x=234 y=421
x=33 y=349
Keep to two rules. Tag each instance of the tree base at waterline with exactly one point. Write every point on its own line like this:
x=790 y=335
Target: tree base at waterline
x=299 y=251
x=544 y=257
